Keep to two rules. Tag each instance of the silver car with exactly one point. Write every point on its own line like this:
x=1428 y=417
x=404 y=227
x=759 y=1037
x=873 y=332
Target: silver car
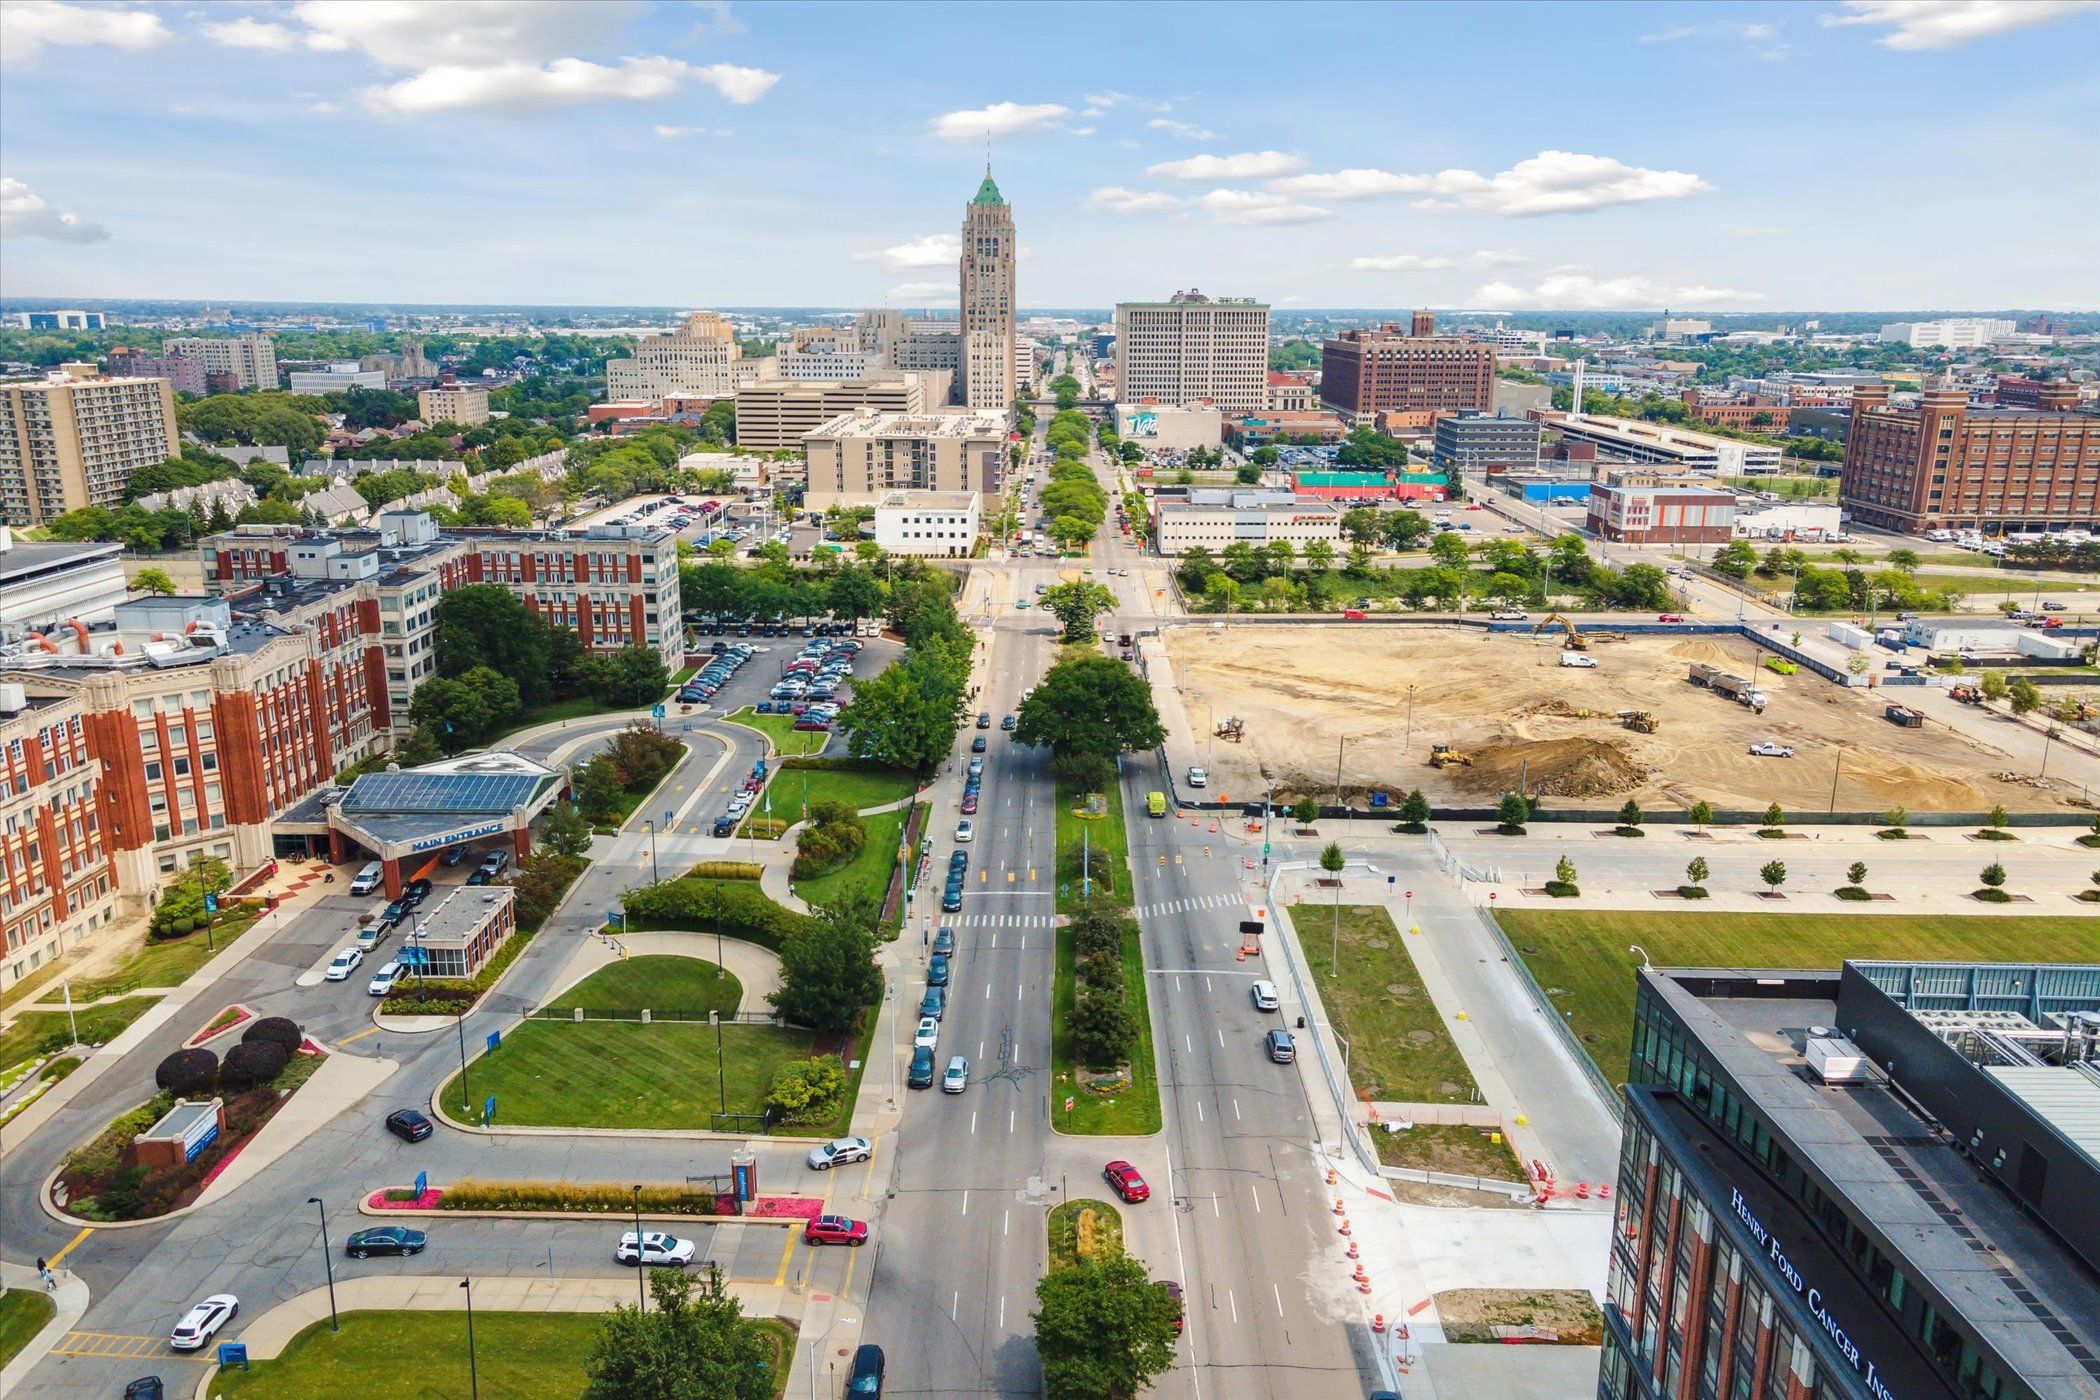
x=840 y=1151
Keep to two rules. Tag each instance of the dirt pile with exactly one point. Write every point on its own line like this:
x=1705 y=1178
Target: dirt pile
x=1578 y=767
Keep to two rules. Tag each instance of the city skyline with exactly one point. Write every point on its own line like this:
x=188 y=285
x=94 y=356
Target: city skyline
x=1742 y=158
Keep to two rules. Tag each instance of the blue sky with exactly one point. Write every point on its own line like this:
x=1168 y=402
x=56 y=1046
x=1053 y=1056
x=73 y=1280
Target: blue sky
x=1841 y=154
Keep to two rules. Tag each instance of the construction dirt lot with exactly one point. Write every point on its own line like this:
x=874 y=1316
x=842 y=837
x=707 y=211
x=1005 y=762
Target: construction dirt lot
x=1525 y=719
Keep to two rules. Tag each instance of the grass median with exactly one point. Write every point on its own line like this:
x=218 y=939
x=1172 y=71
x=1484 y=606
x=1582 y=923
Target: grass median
x=1400 y=1049
x=1132 y=1111
x=788 y=741
x=23 y=1313
x=1580 y=958
x=413 y=1354
x=667 y=984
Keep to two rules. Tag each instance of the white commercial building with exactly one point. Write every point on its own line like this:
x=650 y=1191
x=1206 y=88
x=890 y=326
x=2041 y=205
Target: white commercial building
x=1954 y=333
x=343 y=374
x=1633 y=440
x=697 y=360
x=943 y=524
x=463 y=404
x=1168 y=427
x=1182 y=525
x=1192 y=348
x=249 y=360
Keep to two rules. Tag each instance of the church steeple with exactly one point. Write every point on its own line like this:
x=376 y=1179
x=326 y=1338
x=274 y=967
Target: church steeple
x=988 y=192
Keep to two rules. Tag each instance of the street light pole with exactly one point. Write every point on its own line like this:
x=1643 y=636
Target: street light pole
x=818 y=1341
x=721 y=1084
x=327 y=1259
x=654 y=878
x=473 y=1374
x=466 y=1095
x=641 y=1292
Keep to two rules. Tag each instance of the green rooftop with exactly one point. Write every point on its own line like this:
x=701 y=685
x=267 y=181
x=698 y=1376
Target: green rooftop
x=988 y=193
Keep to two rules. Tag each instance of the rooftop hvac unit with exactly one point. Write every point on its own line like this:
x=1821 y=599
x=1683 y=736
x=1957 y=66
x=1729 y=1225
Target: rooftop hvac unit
x=1837 y=1061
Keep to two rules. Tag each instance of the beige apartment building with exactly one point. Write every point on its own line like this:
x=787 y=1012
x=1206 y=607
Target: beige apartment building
x=1191 y=348
x=453 y=403
x=73 y=440
x=698 y=359
x=858 y=458
x=240 y=362
x=774 y=414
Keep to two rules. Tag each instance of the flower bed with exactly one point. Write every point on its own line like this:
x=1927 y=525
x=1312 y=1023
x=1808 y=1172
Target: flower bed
x=584 y=1198
x=218 y=1025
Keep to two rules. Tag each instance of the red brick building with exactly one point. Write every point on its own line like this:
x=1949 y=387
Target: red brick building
x=1943 y=464
x=1366 y=373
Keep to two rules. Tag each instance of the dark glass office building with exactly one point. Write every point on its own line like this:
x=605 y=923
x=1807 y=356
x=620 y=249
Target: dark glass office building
x=1879 y=1182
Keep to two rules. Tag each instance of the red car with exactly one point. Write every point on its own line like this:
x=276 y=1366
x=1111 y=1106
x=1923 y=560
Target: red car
x=835 y=1229
x=1126 y=1182
x=1669 y=617
x=969 y=804
x=1353 y=614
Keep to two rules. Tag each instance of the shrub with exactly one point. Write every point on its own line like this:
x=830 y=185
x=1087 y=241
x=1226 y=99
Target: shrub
x=1562 y=885
x=252 y=1063
x=742 y=908
x=726 y=870
x=1094 y=934
x=807 y=1090
x=1103 y=1030
x=1512 y=812
x=278 y=1030
x=586 y=1198
x=1856 y=873
x=1993 y=875
x=187 y=1073
x=1691 y=892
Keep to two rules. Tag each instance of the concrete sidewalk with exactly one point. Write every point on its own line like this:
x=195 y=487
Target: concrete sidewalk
x=71 y=1299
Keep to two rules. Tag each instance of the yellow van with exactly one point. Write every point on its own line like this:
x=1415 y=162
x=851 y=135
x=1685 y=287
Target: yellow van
x=1156 y=804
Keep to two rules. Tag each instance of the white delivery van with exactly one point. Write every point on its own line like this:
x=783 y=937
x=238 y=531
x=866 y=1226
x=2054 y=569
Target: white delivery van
x=367 y=879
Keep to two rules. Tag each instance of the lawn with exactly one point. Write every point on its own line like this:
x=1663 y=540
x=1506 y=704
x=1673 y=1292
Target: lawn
x=1455 y=1148
x=1136 y=1110
x=1580 y=958
x=581 y=707
x=856 y=787
x=37 y=1032
x=781 y=1336
x=1400 y=1050
x=787 y=740
x=869 y=870
x=622 y=1074
x=519 y=1356
x=666 y=984
x=23 y=1313
x=166 y=964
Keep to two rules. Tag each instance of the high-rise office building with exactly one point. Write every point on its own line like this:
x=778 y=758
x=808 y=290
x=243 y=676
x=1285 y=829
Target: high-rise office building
x=1366 y=373
x=1944 y=464
x=241 y=362
x=988 y=258
x=73 y=440
x=697 y=359
x=1192 y=348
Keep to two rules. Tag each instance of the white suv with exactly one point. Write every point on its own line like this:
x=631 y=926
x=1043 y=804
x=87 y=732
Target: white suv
x=1264 y=994
x=657 y=1248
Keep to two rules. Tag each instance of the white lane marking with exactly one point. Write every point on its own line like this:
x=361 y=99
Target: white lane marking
x=1235 y=1110
x=1206 y=983
x=966 y=1194
x=954 y=1306
x=980 y=1049
x=1188 y=1045
x=987 y=991
x=973 y=1130
x=1019 y=991
x=995 y=940
x=1256 y=1196
x=1007 y=1227
x=1214 y=1210
x=1002 y=1310
x=1279 y=1298
x=1024 y=942
x=1009 y=1120
x=1221 y=1036
x=1199 y=1110
x=1177 y=981
x=1234 y=1304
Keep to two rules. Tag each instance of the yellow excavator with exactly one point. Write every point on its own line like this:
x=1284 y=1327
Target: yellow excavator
x=1444 y=756
x=1575 y=641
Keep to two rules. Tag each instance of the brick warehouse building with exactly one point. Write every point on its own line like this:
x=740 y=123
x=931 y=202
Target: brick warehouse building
x=1944 y=465
x=203 y=717
x=1366 y=373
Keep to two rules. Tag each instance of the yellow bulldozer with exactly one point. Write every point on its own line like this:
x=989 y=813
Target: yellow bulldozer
x=1640 y=721
x=1444 y=756
x=1575 y=641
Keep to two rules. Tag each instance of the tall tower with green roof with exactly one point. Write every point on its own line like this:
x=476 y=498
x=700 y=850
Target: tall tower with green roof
x=988 y=258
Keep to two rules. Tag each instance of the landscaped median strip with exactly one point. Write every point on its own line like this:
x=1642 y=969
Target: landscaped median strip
x=584 y=1200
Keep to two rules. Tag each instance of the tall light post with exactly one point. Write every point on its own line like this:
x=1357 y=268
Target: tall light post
x=650 y=822
x=328 y=1260
x=641 y=1291
x=473 y=1374
x=818 y=1341
x=466 y=1095
x=721 y=1084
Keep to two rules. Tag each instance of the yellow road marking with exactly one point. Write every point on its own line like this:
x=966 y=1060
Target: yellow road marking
x=85 y=1231
x=107 y=1344
x=359 y=1036
x=846 y=1288
x=787 y=1253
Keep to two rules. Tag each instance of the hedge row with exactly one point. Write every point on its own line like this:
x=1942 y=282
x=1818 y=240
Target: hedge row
x=582 y=1197
x=739 y=908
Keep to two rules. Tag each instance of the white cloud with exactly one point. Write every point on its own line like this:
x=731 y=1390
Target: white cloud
x=1551 y=182
x=1948 y=24
x=1498 y=257
x=1760 y=40
x=250 y=33
x=1258 y=207
x=1247 y=165
x=530 y=87
x=999 y=119
x=1124 y=99
x=462 y=33
x=932 y=250
x=673 y=133
x=716 y=21
x=28 y=27
x=1401 y=262
x=1577 y=291
x=925 y=292
x=1188 y=129
x=26 y=214
x=1118 y=200
x=1084 y=130
x=743 y=86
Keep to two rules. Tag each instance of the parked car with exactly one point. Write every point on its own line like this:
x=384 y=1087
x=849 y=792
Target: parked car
x=835 y=1229
x=146 y=1388
x=1509 y=615
x=934 y=1003
x=957 y=1077
x=928 y=1035
x=456 y=855
x=864 y=1381
x=1125 y=1181
x=969 y=805
x=203 y=1321
x=1198 y=778
x=383 y=980
x=1578 y=661
x=408 y=1125
x=367 y=879
x=965 y=830
x=1669 y=617
x=944 y=940
x=345 y=963
x=937 y=972
x=656 y=1248
x=1264 y=995
x=921 y=1076
x=951 y=900
x=1282 y=1049
x=1771 y=748
x=386 y=1239
x=840 y=1151
x=417 y=892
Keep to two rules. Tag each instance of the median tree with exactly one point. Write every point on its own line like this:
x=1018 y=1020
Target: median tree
x=1087 y=710
x=1696 y=872
x=564 y=831
x=1773 y=873
x=827 y=967
x=1414 y=813
x=1076 y=605
x=1511 y=813
x=1103 y=1329
x=693 y=1344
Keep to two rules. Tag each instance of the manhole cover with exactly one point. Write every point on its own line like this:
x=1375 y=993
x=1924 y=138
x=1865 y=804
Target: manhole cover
x=1376 y=943
x=1448 y=1089
x=1394 y=989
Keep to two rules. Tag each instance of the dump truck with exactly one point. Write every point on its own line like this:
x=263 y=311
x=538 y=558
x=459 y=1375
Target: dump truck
x=1740 y=690
x=1904 y=715
x=1703 y=674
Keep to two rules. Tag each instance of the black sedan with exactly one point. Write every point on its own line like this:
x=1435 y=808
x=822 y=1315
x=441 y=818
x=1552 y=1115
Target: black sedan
x=408 y=1125
x=387 y=1239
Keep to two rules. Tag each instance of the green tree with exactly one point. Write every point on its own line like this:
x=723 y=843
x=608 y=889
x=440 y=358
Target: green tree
x=2024 y=696
x=1414 y=810
x=1076 y=605
x=564 y=831
x=483 y=625
x=152 y=580
x=1564 y=875
x=1104 y=1031
x=694 y=1344
x=1997 y=819
x=598 y=791
x=855 y=593
x=1775 y=818
x=1702 y=812
x=1773 y=873
x=1696 y=872
x=1903 y=561
x=1221 y=591
x=1306 y=812
x=465 y=710
x=1361 y=526
x=1735 y=559
x=827 y=968
x=904 y=717
x=1630 y=815
x=1897 y=818
x=633 y=675
x=1319 y=556
x=1103 y=1329
x=1090 y=705
x=1449 y=549
x=1992 y=875
x=1993 y=685
x=1512 y=812
x=1856 y=874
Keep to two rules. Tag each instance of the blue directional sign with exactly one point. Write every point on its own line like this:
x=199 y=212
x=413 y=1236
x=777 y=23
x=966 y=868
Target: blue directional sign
x=488 y=1110
x=422 y=1184
x=495 y=1039
x=667 y=816
x=656 y=712
x=616 y=920
x=233 y=1354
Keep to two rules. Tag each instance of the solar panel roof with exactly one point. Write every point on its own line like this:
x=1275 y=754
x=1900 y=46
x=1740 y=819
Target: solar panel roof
x=442 y=792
